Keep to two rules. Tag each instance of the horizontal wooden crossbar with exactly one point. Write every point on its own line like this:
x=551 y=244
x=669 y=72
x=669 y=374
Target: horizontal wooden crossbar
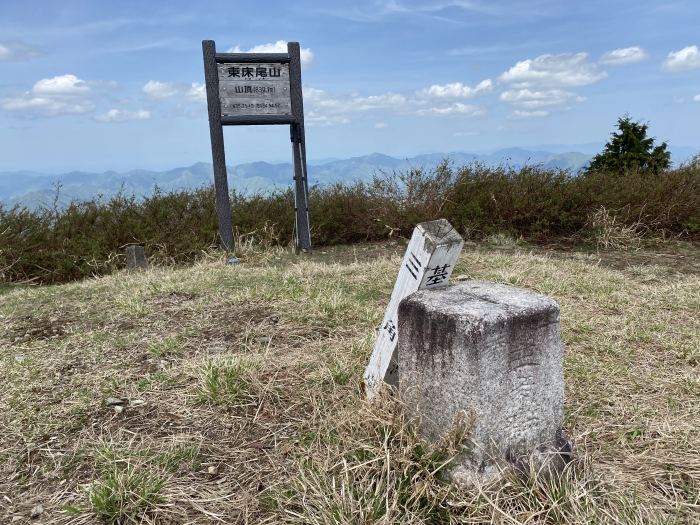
x=248 y=120
x=251 y=58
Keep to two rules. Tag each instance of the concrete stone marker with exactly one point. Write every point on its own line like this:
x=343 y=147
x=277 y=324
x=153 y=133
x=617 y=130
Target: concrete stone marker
x=135 y=257
x=430 y=257
x=488 y=356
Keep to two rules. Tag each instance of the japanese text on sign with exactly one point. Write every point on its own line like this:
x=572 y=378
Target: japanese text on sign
x=253 y=72
x=257 y=89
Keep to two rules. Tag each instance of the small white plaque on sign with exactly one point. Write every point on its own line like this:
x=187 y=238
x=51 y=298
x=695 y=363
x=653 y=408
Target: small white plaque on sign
x=254 y=89
x=428 y=263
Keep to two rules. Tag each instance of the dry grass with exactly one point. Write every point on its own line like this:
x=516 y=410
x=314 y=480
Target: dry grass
x=611 y=232
x=241 y=398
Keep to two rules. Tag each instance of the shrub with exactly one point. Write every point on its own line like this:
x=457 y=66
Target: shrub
x=631 y=150
x=87 y=238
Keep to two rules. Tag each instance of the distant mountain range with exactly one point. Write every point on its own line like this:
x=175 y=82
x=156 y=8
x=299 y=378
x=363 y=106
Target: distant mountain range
x=33 y=189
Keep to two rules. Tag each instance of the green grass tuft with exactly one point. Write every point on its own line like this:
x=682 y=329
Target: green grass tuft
x=123 y=494
x=169 y=346
x=227 y=382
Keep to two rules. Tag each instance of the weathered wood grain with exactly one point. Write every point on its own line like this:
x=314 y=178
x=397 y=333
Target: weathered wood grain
x=216 y=131
x=251 y=58
x=428 y=263
x=249 y=89
x=301 y=193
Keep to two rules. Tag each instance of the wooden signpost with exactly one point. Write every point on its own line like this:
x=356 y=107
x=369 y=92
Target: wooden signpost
x=428 y=263
x=253 y=89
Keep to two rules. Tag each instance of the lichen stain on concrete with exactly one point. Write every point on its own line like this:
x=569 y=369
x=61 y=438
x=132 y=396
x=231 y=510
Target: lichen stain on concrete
x=492 y=348
x=434 y=338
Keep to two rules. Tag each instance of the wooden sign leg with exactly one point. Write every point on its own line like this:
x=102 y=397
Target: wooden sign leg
x=428 y=263
x=216 y=131
x=301 y=187
x=302 y=147
x=301 y=205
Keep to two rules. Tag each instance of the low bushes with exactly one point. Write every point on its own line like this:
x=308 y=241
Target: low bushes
x=87 y=238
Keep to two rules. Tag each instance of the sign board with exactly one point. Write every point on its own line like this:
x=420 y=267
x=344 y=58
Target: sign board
x=428 y=263
x=252 y=89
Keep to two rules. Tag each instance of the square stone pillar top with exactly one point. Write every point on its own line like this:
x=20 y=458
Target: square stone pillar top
x=490 y=354
x=484 y=303
x=135 y=257
x=438 y=233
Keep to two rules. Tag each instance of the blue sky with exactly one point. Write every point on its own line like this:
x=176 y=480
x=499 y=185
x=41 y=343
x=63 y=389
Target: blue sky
x=88 y=85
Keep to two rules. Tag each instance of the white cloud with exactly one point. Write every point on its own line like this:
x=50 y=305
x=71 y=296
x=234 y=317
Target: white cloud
x=625 y=55
x=313 y=94
x=122 y=115
x=530 y=114
x=156 y=89
x=381 y=125
x=60 y=95
x=197 y=92
x=42 y=106
x=456 y=90
x=327 y=109
x=316 y=119
x=696 y=98
x=530 y=99
x=320 y=100
x=305 y=54
x=543 y=82
x=685 y=59
x=375 y=102
x=64 y=85
x=15 y=51
x=453 y=109
x=564 y=70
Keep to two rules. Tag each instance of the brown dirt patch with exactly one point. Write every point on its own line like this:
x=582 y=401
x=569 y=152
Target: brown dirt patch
x=31 y=328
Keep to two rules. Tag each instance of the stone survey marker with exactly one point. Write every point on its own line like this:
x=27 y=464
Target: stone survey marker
x=135 y=257
x=489 y=356
x=428 y=263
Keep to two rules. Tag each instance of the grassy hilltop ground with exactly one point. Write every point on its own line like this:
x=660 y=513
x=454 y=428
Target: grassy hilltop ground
x=238 y=395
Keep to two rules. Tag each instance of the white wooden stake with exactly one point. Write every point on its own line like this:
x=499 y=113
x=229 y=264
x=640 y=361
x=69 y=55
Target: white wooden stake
x=428 y=263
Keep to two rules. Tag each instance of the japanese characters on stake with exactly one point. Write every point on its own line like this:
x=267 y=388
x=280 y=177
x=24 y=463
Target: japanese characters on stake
x=428 y=263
